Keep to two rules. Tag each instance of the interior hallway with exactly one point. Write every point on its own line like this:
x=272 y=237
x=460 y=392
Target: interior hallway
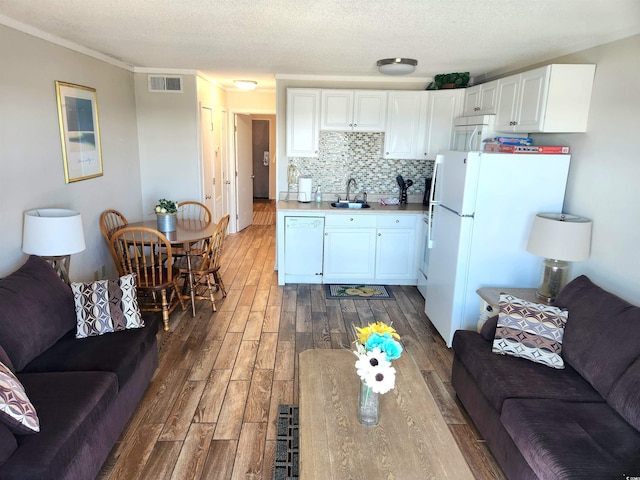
x=210 y=410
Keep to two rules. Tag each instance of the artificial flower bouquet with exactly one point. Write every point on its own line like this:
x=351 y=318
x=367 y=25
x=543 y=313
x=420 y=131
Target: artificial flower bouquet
x=376 y=346
x=166 y=206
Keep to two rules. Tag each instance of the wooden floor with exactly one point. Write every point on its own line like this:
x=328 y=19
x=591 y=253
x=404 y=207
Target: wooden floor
x=210 y=410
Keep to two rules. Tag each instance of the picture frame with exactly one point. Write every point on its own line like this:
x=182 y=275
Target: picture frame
x=79 y=131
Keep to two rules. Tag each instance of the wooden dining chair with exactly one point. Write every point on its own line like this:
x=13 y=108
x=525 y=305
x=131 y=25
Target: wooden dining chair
x=221 y=227
x=197 y=212
x=147 y=253
x=206 y=268
x=110 y=221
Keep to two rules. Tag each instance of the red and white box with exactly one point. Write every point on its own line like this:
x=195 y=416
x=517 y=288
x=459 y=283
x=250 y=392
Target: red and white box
x=497 y=147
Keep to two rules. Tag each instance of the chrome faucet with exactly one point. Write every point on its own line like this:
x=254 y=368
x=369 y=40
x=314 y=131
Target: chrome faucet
x=349 y=182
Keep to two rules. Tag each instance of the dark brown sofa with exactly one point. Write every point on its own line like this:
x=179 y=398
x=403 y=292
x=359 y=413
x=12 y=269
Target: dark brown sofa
x=580 y=422
x=84 y=390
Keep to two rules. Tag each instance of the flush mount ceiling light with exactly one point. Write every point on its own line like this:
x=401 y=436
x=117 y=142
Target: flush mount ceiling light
x=245 y=84
x=397 y=66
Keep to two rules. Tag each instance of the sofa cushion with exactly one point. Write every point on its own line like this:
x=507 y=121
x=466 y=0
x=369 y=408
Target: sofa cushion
x=105 y=306
x=8 y=443
x=16 y=410
x=119 y=352
x=530 y=330
x=602 y=337
x=69 y=405
x=501 y=377
x=52 y=315
x=567 y=440
x=624 y=397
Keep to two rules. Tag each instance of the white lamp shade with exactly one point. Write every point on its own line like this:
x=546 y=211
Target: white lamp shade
x=560 y=236
x=50 y=232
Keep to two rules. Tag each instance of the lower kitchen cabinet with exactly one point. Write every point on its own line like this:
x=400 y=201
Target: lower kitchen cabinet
x=349 y=248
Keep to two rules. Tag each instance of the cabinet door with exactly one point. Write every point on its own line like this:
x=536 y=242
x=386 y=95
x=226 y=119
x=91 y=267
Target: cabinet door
x=488 y=101
x=395 y=254
x=471 y=101
x=303 y=122
x=531 y=100
x=370 y=110
x=442 y=108
x=336 y=110
x=403 y=116
x=507 y=103
x=349 y=254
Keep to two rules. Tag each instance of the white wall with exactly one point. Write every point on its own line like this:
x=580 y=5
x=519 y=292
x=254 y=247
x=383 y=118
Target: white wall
x=605 y=167
x=168 y=137
x=31 y=166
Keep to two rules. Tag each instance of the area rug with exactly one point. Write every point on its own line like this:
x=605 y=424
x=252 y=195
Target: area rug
x=359 y=291
x=286 y=464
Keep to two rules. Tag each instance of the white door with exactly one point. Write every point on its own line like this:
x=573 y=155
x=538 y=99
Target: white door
x=223 y=195
x=244 y=172
x=207 y=159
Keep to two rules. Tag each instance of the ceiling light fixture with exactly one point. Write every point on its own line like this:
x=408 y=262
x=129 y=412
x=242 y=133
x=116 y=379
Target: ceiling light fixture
x=397 y=66
x=245 y=84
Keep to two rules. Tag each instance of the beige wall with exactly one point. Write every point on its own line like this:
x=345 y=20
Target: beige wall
x=605 y=170
x=31 y=166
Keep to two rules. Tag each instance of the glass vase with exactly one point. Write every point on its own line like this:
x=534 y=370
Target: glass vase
x=369 y=402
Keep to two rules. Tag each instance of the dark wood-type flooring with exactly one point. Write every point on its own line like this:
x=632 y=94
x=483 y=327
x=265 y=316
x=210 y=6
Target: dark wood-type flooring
x=210 y=410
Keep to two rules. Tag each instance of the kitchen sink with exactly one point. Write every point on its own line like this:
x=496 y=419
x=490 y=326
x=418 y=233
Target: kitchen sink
x=350 y=205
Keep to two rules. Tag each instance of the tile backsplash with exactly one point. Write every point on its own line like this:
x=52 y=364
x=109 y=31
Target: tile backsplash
x=358 y=155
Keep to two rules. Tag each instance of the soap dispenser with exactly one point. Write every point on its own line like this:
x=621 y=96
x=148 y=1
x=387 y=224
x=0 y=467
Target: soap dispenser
x=318 y=195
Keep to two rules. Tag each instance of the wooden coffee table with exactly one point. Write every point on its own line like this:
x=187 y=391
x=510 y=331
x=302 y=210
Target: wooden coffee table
x=411 y=441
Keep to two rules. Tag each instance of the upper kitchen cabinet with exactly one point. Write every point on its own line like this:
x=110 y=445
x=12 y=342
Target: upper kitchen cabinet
x=403 y=122
x=436 y=125
x=303 y=121
x=481 y=99
x=353 y=110
x=552 y=99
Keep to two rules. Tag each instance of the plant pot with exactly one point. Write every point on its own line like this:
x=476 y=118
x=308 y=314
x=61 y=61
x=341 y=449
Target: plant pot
x=166 y=222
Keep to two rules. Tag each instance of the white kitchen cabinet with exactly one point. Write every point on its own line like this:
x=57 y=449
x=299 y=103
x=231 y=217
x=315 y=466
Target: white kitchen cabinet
x=438 y=110
x=481 y=99
x=303 y=122
x=349 y=248
x=554 y=99
x=403 y=124
x=353 y=110
x=396 y=238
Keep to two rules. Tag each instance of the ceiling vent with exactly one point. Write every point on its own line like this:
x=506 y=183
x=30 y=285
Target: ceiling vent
x=165 y=83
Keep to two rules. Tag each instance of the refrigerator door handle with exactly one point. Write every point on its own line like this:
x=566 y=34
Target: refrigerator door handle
x=472 y=138
x=430 y=226
x=434 y=186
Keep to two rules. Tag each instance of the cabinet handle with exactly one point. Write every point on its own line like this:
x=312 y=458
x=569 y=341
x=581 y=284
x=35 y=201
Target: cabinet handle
x=351 y=219
x=379 y=234
x=326 y=234
x=397 y=221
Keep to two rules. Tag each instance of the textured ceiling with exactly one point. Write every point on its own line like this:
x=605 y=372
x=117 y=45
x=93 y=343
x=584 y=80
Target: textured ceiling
x=256 y=39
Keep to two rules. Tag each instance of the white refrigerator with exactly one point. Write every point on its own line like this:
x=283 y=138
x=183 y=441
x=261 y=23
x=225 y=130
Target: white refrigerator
x=481 y=214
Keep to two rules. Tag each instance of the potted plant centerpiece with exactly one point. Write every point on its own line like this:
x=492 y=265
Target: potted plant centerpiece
x=166 y=214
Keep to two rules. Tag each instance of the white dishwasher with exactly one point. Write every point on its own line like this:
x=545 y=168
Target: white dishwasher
x=304 y=243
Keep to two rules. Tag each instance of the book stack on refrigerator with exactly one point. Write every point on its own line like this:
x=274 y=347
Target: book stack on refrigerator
x=521 y=145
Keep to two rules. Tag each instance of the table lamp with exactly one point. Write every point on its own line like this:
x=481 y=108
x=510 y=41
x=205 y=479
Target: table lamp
x=53 y=234
x=561 y=238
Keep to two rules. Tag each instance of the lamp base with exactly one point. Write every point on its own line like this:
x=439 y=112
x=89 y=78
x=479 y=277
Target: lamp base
x=61 y=265
x=554 y=278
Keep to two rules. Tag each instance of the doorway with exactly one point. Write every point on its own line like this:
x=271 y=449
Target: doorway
x=261 y=158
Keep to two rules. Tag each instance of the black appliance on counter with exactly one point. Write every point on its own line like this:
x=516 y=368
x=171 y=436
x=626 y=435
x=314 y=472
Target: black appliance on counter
x=427 y=191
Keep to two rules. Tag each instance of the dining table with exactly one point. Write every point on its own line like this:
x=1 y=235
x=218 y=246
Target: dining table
x=188 y=232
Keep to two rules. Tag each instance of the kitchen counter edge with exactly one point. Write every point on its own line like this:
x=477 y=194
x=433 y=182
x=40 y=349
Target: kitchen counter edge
x=324 y=207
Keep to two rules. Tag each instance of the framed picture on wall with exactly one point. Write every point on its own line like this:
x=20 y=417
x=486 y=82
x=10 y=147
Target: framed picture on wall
x=79 y=131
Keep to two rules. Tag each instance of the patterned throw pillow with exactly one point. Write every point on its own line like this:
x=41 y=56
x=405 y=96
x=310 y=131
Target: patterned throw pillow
x=530 y=330
x=16 y=410
x=106 y=306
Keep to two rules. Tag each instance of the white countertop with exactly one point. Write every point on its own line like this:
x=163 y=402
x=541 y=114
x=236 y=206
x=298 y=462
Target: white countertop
x=324 y=207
